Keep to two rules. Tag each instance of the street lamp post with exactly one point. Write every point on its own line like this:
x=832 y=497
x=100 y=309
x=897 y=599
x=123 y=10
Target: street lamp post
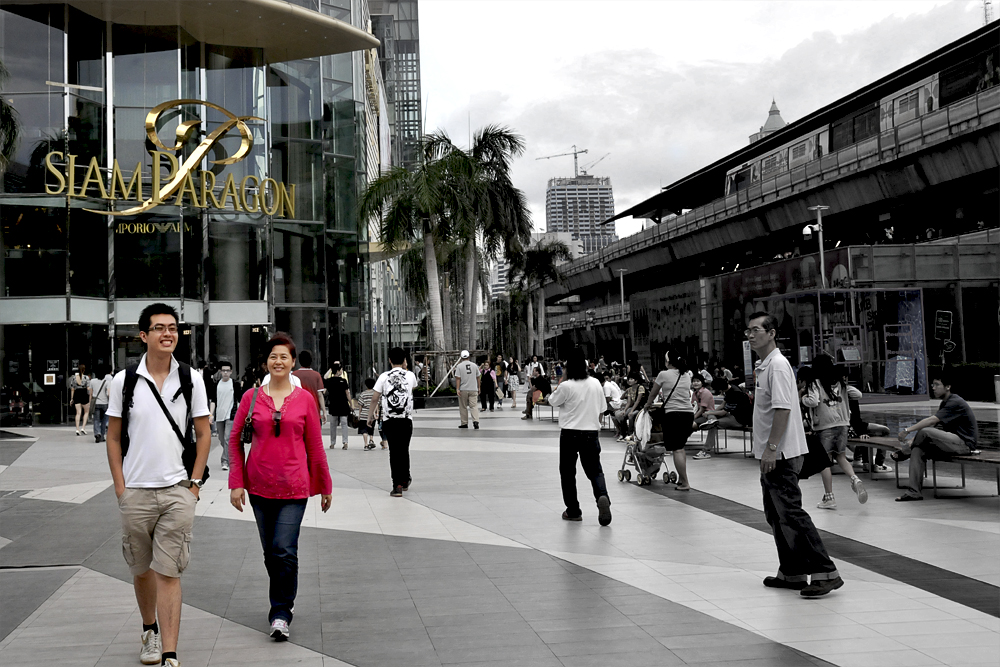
x=819 y=208
x=621 y=289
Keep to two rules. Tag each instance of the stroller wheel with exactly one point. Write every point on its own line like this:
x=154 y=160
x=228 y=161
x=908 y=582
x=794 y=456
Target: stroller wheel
x=628 y=475
x=673 y=477
x=666 y=478
x=621 y=475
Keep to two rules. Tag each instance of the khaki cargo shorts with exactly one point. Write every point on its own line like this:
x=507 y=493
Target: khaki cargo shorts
x=156 y=529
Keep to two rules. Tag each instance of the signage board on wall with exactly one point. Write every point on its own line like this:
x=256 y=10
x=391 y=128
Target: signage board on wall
x=52 y=365
x=942 y=324
x=50 y=379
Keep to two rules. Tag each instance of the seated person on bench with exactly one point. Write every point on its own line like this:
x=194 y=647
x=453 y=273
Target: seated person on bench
x=635 y=398
x=736 y=413
x=957 y=435
x=864 y=430
x=539 y=387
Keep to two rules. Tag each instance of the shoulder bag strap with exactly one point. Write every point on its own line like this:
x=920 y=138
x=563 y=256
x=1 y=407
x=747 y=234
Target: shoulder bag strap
x=667 y=399
x=253 y=402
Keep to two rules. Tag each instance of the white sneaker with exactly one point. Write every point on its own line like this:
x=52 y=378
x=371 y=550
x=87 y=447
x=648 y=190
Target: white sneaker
x=859 y=488
x=828 y=502
x=619 y=439
x=225 y=467
x=150 y=653
x=882 y=468
x=83 y=431
x=279 y=630
x=173 y=662
x=702 y=455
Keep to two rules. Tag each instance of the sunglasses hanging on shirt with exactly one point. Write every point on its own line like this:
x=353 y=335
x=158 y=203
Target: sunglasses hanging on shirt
x=276 y=416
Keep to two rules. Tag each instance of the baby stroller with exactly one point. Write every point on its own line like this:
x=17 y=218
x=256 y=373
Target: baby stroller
x=645 y=453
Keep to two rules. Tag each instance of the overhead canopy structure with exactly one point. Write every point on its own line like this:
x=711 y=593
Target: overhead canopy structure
x=283 y=30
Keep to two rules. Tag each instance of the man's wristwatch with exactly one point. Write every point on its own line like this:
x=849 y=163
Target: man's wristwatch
x=191 y=482
x=773 y=447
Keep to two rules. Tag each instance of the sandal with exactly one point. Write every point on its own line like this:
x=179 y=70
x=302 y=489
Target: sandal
x=683 y=488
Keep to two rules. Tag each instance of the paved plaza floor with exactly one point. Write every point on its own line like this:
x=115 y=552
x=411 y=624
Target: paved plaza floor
x=474 y=566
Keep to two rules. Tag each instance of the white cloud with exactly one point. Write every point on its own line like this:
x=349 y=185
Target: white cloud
x=665 y=87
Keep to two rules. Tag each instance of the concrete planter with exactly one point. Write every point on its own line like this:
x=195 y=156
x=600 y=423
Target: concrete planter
x=420 y=402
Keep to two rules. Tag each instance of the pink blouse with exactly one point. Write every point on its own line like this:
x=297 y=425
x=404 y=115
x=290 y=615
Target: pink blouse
x=292 y=465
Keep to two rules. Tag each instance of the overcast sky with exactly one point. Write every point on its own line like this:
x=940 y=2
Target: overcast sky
x=665 y=87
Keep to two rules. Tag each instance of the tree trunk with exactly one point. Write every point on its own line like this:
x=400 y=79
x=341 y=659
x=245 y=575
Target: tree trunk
x=531 y=326
x=446 y=311
x=468 y=335
x=434 y=302
x=541 y=320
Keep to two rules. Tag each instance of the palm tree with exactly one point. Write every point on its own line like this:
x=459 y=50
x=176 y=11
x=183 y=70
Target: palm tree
x=10 y=126
x=536 y=266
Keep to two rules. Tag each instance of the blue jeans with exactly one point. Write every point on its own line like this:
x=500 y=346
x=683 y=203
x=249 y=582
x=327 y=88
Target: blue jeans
x=586 y=445
x=278 y=522
x=800 y=548
x=101 y=420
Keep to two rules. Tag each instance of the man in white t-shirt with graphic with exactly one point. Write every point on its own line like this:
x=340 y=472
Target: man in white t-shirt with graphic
x=156 y=492
x=467 y=383
x=394 y=395
x=779 y=442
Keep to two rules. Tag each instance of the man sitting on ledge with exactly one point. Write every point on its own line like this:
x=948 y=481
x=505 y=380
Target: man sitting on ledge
x=957 y=435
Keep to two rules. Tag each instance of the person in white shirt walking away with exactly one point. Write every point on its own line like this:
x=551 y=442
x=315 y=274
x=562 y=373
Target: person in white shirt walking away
x=580 y=400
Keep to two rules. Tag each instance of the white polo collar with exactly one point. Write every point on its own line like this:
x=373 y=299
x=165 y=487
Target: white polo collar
x=143 y=371
x=765 y=362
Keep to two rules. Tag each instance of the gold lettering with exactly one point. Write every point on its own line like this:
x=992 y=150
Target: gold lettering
x=229 y=190
x=172 y=161
x=253 y=197
x=117 y=180
x=93 y=174
x=275 y=196
x=287 y=200
x=71 y=169
x=188 y=186
x=55 y=172
x=208 y=190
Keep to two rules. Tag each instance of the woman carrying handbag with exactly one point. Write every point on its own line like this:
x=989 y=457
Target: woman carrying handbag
x=676 y=417
x=286 y=466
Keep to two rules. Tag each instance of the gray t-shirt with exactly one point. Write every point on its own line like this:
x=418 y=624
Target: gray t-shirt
x=680 y=399
x=467 y=372
x=224 y=400
x=99 y=389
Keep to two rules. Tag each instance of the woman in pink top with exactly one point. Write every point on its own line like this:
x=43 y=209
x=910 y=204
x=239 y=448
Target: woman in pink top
x=287 y=465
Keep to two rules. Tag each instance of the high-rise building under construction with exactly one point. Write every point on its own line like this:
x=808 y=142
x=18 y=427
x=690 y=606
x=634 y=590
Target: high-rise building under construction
x=579 y=205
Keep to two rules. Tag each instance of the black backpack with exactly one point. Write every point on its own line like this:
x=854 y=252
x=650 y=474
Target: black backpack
x=187 y=440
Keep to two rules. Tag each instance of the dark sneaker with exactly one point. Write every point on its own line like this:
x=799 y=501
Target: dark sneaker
x=604 y=510
x=475 y=425
x=820 y=588
x=775 y=582
x=397 y=492
x=463 y=426
x=567 y=517
x=408 y=482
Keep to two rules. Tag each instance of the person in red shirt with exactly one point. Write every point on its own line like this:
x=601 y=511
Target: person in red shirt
x=287 y=465
x=312 y=382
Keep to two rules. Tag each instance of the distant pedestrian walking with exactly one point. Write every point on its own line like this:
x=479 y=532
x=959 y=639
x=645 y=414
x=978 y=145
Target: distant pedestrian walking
x=779 y=442
x=394 y=394
x=286 y=466
x=467 y=379
x=580 y=400
x=487 y=386
x=79 y=387
x=227 y=399
x=99 y=395
x=339 y=393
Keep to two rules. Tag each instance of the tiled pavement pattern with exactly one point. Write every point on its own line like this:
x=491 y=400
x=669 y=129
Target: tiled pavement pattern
x=473 y=566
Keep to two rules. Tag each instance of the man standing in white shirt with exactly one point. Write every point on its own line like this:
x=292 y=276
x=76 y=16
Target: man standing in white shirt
x=779 y=442
x=224 y=408
x=394 y=396
x=156 y=478
x=467 y=381
x=580 y=401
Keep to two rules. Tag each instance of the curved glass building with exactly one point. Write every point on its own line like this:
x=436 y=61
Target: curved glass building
x=204 y=154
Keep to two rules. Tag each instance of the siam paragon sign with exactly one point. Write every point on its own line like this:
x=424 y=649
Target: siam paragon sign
x=250 y=195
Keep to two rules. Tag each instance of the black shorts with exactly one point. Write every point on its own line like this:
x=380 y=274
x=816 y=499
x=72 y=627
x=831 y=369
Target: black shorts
x=676 y=427
x=80 y=396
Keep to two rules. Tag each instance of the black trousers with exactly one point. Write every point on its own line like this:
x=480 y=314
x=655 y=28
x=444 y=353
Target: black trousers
x=487 y=392
x=800 y=548
x=398 y=433
x=586 y=445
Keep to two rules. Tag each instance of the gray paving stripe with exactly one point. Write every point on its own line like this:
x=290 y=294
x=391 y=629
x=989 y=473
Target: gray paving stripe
x=472 y=434
x=12 y=446
x=372 y=600
x=23 y=591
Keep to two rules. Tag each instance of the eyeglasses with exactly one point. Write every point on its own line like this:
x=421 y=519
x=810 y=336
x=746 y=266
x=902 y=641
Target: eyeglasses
x=754 y=330
x=161 y=329
x=276 y=417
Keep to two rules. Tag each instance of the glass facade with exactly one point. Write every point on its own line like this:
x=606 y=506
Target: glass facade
x=237 y=261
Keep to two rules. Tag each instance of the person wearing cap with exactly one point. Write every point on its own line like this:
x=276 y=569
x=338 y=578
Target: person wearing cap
x=467 y=383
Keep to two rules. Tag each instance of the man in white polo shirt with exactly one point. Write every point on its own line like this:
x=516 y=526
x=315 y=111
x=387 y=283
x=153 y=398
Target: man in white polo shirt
x=157 y=489
x=779 y=442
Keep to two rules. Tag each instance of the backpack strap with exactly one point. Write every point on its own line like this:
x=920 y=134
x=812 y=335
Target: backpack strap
x=128 y=391
x=186 y=389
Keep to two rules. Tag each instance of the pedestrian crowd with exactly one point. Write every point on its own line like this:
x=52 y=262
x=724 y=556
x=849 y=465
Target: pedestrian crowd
x=158 y=416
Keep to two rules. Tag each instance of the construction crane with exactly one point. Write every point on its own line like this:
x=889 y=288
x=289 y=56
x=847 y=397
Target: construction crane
x=593 y=164
x=574 y=153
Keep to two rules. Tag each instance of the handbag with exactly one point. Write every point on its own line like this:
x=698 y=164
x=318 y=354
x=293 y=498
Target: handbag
x=246 y=437
x=499 y=393
x=352 y=420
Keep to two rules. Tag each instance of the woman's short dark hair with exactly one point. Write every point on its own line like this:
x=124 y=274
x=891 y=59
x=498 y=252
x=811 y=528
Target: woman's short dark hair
x=576 y=365
x=677 y=360
x=279 y=339
x=146 y=316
